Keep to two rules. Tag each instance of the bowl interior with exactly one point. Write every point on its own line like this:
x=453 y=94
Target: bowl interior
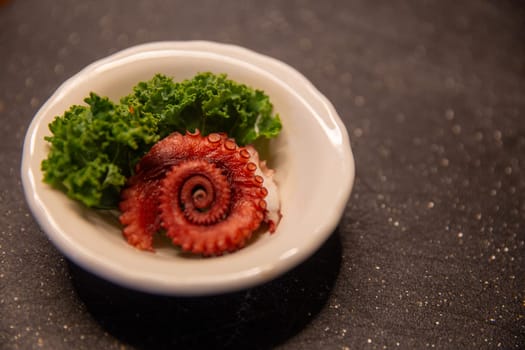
x=312 y=159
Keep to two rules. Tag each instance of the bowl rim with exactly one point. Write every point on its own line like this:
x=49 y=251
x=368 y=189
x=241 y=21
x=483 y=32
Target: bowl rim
x=217 y=285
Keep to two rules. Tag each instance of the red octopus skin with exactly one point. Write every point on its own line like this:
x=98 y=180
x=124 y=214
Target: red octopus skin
x=224 y=205
x=139 y=207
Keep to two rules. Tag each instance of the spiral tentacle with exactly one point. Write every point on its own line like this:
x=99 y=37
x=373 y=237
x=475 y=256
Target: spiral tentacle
x=203 y=190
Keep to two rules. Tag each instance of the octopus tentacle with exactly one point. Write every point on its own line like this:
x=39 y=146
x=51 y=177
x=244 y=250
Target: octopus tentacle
x=203 y=190
x=227 y=225
x=198 y=191
x=139 y=207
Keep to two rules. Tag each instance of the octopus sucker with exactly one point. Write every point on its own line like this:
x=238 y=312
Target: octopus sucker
x=214 y=137
x=244 y=153
x=205 y=192
x=230 y=145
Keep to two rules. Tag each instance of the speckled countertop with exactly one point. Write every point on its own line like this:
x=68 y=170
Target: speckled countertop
x=430 y=252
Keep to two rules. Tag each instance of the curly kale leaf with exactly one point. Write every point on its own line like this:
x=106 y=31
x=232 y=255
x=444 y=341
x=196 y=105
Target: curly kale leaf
x=94 y=148
x=208 y=102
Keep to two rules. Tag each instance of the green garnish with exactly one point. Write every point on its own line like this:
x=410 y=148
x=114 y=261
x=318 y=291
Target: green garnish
x=94 y=148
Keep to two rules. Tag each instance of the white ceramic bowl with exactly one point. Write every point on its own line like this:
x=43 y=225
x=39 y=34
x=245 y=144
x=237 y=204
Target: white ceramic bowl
x=312 y=158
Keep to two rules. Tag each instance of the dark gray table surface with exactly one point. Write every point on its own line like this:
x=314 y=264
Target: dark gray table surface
x=430 y=252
